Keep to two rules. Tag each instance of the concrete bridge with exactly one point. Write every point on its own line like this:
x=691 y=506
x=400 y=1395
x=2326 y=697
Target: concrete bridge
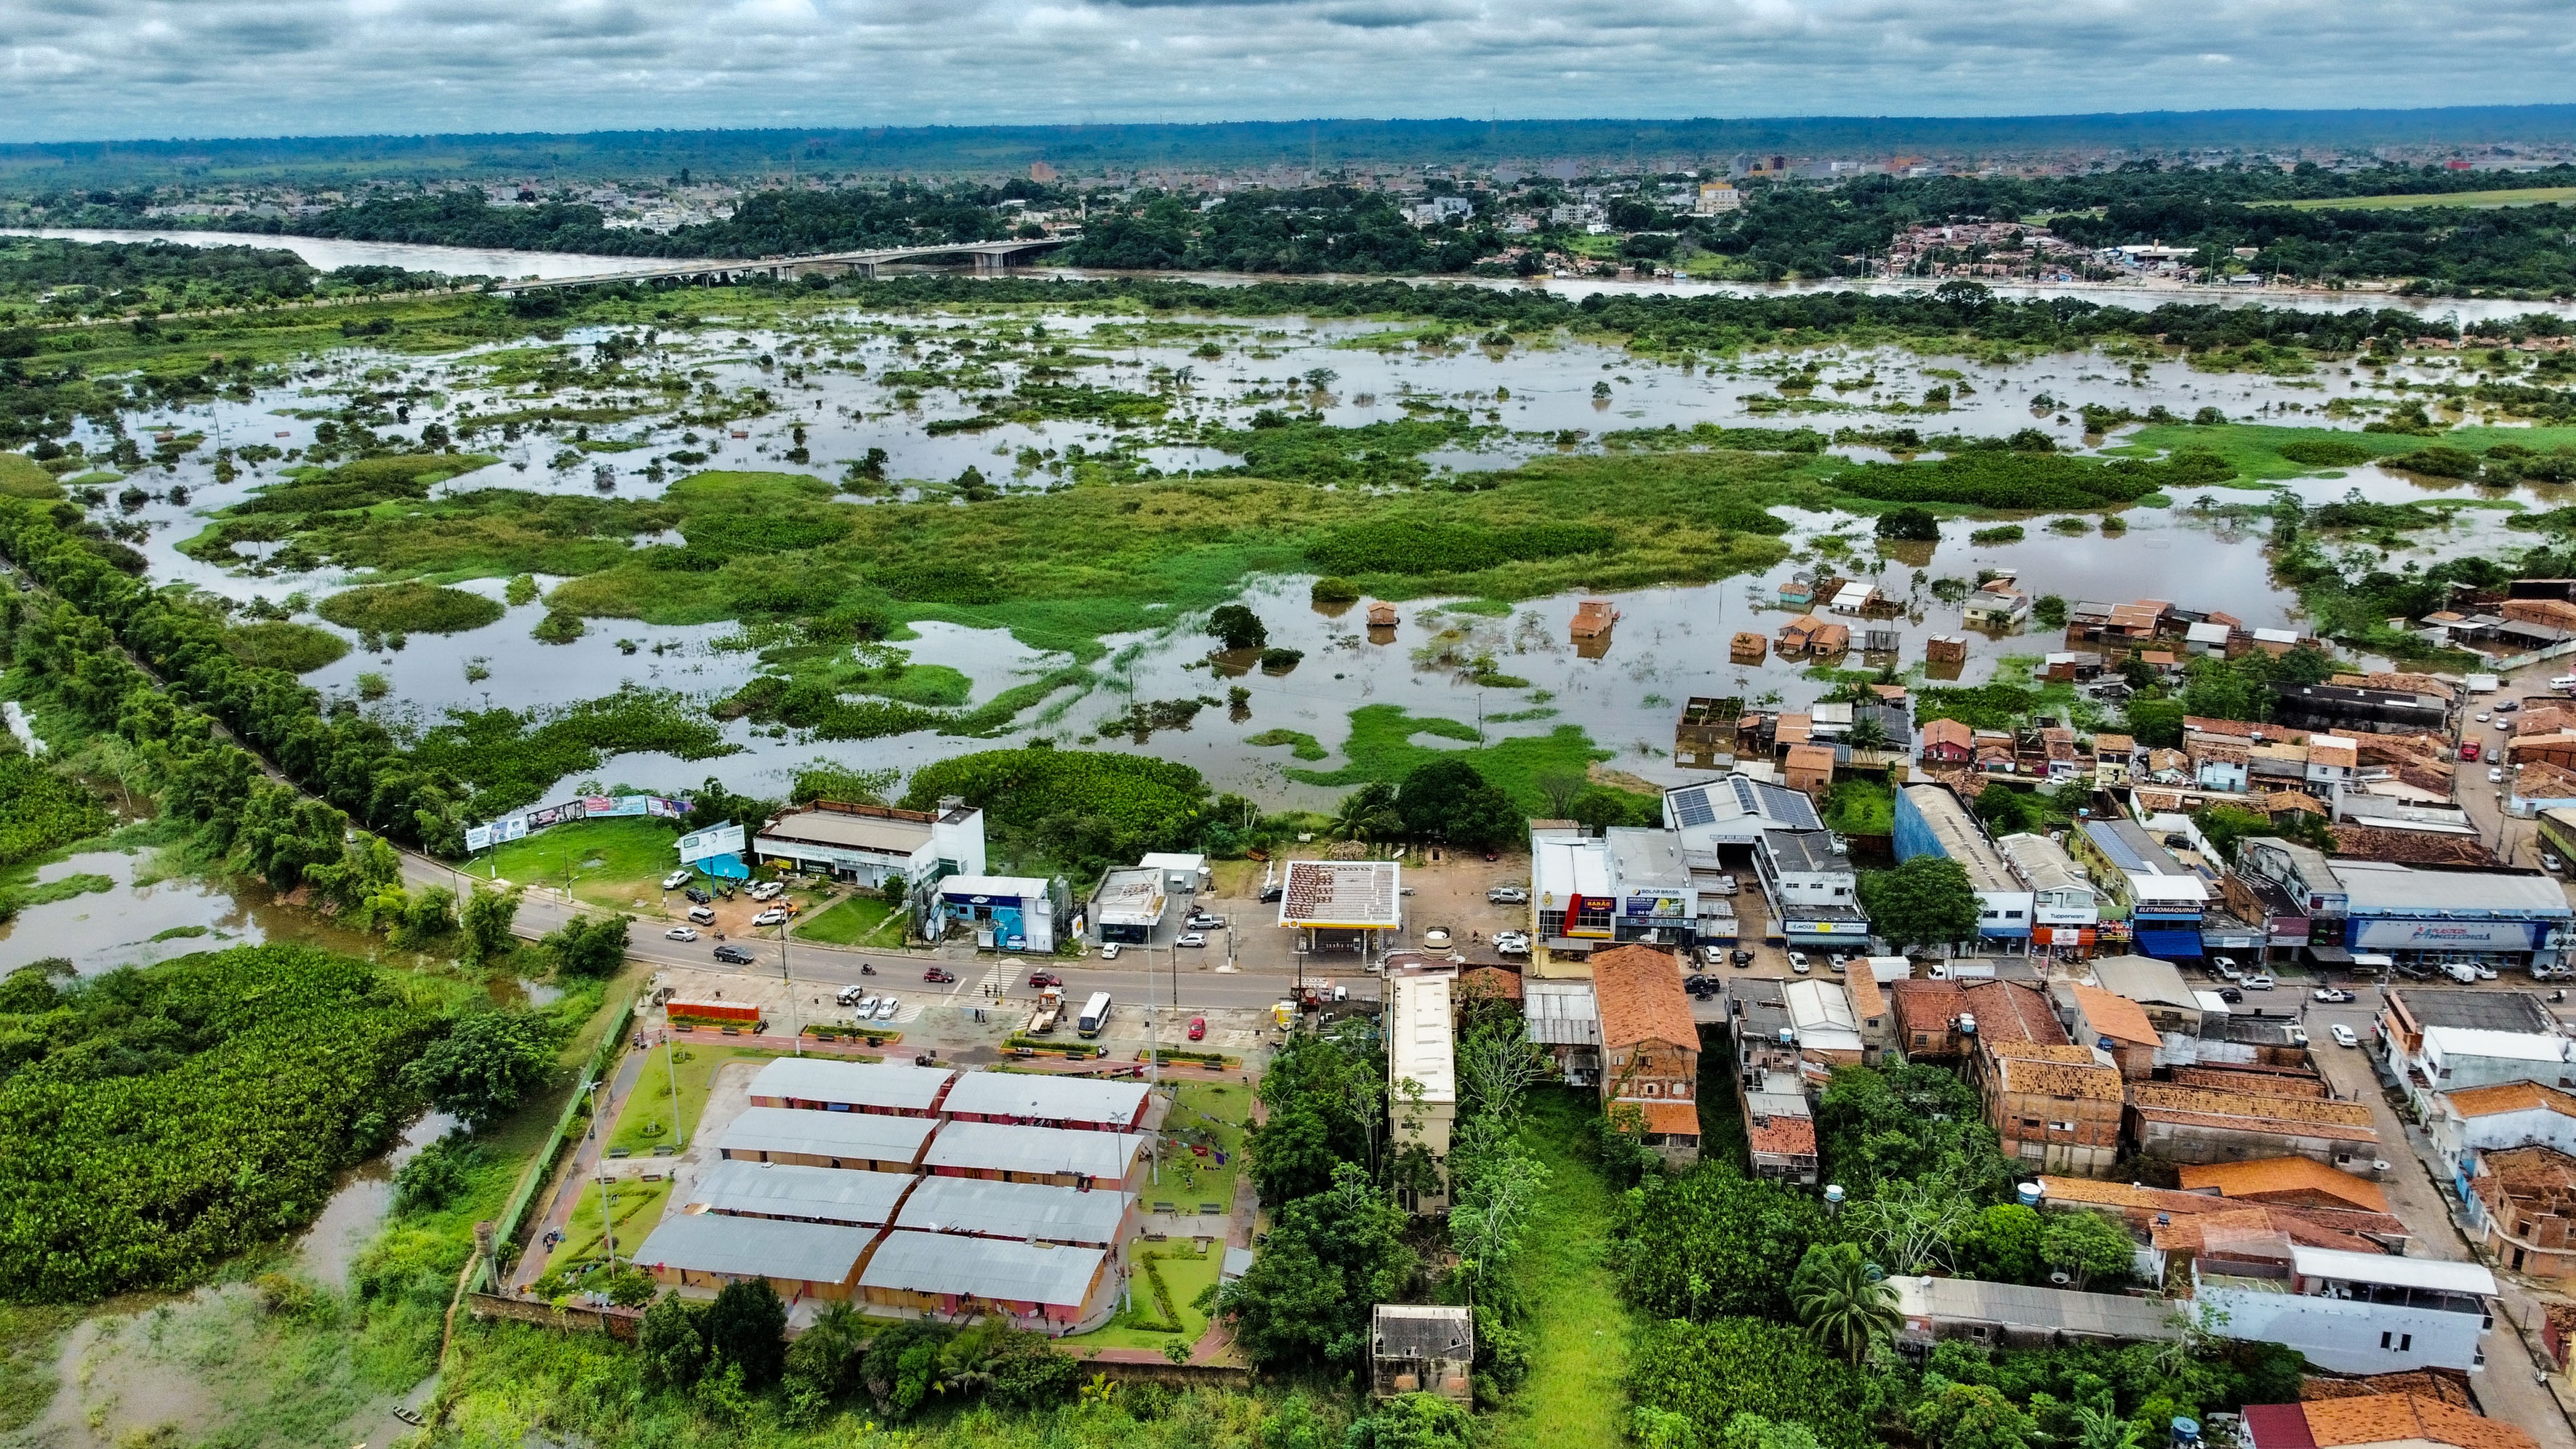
x=989 y=257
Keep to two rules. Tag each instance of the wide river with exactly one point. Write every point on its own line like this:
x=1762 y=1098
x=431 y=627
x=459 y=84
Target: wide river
x=329 y=253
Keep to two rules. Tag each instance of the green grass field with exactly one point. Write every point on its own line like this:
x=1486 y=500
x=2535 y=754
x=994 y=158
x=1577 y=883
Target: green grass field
x=2525 y=196
x=1381 y=747
x=646 y=1121
x=1185 y=1272
x=609 y=862
x=854 y=921
x=2254 y=448
x=1580 y=1331
x=1217 y=1107
x=633 y=1207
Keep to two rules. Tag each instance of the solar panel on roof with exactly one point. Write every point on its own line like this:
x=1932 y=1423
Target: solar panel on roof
x=1691 y=807
x=1746 y=798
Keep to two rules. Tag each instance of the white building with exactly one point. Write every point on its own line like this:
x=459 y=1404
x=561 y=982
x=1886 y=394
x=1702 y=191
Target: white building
x=872 y=845
x=1422 y=1073
x=2465 y=1124
x=2064 y=909
x=2447 y=1041
x=1006 y=912
x=1127 y=905
x=2359 y=1313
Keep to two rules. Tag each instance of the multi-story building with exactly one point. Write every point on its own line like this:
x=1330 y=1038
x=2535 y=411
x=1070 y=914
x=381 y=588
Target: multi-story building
x=1932 y=820
x=1422 y=1074
x=2358 y=1313
x=1649 y=1046
x=2065 y=910
x=1812 y=889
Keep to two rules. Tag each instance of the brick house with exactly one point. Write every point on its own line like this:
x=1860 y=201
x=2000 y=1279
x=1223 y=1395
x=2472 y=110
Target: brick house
x=2055 y=1108
x=1649 y=1045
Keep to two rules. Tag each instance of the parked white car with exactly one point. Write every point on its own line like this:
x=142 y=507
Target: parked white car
x=2259 y=981
x=1512 y=943
x=1798 y=963
x=676 y=879
x=2342 y=1035
x=1108 y=950
x=887 y=1008
x=1192 y=938
x=768 y=890
x=774 y=916
x=2329 y=993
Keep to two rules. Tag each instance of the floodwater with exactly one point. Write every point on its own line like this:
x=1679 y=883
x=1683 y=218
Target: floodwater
x=349 y=1220
x=1538 y=396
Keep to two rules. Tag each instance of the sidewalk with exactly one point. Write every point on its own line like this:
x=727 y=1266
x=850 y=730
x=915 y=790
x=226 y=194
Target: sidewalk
x=577 y=1173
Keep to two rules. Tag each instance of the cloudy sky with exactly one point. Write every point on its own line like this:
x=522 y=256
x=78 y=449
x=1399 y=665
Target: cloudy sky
x=92 y=69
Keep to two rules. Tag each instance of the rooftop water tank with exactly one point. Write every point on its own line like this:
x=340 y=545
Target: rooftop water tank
x=2030 y=1194
x=1967 y=1023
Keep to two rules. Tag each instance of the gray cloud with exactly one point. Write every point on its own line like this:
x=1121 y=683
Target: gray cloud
x=91 y=69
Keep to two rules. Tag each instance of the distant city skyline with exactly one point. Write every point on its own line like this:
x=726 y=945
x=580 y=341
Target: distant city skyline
x=79 y=70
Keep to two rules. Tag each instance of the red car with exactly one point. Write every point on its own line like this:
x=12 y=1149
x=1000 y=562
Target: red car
x=937 y=976
x=2468 y=749
x=1198 y=1028
x=1045 y=978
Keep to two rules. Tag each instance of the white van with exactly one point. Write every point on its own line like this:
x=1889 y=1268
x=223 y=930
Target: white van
x=1095 y=1014
x=2463 y=974
x=700 y=915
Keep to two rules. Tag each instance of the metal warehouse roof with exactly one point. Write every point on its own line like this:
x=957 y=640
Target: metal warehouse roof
x=1421 y=1044
x=1013 y=1210
x=900 y=1087
x=1001 y=1147
x=2097 y=1315
x=2378 y=888
x=827 y=1134
x=787 y=1190
x=1068 y=1099
x=988 y=1268
x=755 y=1248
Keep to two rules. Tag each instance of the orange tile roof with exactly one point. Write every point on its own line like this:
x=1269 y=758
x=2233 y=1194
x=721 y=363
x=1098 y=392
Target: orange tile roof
x=1639 y=993
x=2392 y=1418
x=2450 y=1386
x=2264 y=1176
x=1946 y=732
x=1667 y=1118
x=1866 y=999
x=2107 y=743
x=2116 y=1016
x=2206 y=1107
x=2079 y=1081
x=2511 y=1097
x=1783 y=1136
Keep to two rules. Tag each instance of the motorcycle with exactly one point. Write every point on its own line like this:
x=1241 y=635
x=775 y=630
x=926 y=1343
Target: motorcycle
x=867 y=970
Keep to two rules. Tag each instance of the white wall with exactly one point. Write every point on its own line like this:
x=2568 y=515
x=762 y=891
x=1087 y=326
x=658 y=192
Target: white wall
x=2343 y=1336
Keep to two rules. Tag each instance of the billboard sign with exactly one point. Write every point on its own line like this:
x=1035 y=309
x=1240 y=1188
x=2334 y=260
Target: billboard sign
x=715 y=840
x=1662 y=908
x=478 y=837
x=2396 y=935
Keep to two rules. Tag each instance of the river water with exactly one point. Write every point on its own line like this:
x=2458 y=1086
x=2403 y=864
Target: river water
x=329 y=253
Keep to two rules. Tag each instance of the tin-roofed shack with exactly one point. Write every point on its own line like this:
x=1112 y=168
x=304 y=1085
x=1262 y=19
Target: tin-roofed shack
x=1421 y=1348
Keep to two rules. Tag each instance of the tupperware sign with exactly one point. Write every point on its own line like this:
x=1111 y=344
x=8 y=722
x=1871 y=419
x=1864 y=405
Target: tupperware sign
x=2444 y=936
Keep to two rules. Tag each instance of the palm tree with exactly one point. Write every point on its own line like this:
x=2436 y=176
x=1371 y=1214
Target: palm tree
x=1843 y=1301
x=2095 y=1429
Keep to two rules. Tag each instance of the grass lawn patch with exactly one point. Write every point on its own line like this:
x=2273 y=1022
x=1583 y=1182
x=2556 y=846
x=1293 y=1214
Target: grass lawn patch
x=1186 y=1273
x=277 y=644
x=1209 y=1114
x=647 y=1119
x=2528 y=196
x=1580 y=1330
x=632 y=1209
x=854 y=921
x=609 y=862
x=22 y=477
x=410 y=608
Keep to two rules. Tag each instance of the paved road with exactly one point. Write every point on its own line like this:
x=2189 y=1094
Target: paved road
x=1200 y=982
x=2510 y=1389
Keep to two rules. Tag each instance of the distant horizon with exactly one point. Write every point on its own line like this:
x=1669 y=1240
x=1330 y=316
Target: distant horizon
x=1322 y=142
x=212 y=69
x=2559 y=117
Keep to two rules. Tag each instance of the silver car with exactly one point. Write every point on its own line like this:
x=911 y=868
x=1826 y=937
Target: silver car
x=886 y=1008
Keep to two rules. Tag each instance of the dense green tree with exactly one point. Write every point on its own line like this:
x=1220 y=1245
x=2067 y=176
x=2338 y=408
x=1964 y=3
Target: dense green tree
x=1447 y=800
x=668 y=1341
x=1710 y=1243
x=588 y=946
x=1414 y=1421
x=283 y=834
x=485 y=921
x=1847 y=1304
x=1328 y=1259
x=1968 y=1416
x=485 y=1066
x=1237 y=627
x=1708 y=1375
x=1877 y=1126
x=2092 y=1248
x=1909 y=525
x=746 y=1328
x=1926 y=901
x=1324 y=1104
x=2002 y=1245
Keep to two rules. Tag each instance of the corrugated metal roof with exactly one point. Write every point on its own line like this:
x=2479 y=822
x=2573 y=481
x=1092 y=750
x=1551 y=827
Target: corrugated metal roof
x=1421 y=1045
x=2436 y=1274
x=1008 y=887
x=1561 y=1013
x=899 y=1087
x=1013 y=1210
x=1063 y=1099
x=988 y=1268
x=755 y=1247
x=1968 y=1300
x=1001 y=1147
x=781 y=1189
x=827 y=1134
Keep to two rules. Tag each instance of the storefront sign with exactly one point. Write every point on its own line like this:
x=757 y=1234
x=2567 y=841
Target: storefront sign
x=2387 y=935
